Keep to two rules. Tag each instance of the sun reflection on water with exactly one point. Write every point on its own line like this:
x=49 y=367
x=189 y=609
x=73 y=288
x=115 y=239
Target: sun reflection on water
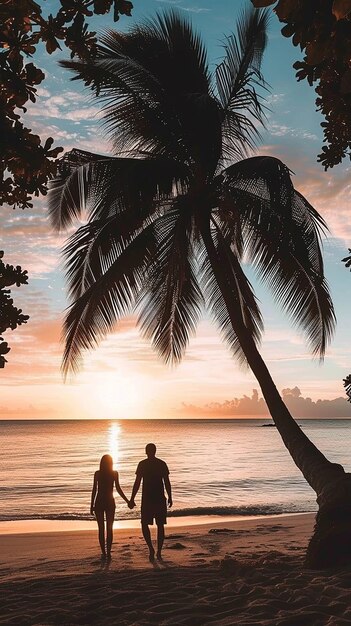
x=114 y=434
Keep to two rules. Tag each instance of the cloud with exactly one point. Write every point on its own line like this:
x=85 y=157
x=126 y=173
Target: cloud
x=196 y=9
x=69 y=105
x=190 y=9
x=29 y=241
x=274 y=99
x=255 y=406
x=280 y=130
x=26 y=411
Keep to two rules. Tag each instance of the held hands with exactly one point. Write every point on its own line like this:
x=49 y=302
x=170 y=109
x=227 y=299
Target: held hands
x=131 y=504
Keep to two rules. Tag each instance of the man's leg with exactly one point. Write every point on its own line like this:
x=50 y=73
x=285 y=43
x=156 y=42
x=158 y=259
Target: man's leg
x=147 y=536
x=160 y=539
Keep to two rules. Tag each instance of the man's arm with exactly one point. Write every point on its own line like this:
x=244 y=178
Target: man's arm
x=135 y=491
x=168 y=490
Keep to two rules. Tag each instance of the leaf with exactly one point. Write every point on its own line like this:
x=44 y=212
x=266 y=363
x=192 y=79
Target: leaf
x=316 y=52
x=171 y=302
x=237 y=78
x=288 y=30
x=341 y=8
x=346 y=82
x=287 y=10
x=4 y=347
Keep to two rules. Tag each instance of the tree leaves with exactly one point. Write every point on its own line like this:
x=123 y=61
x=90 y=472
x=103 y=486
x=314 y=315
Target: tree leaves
x=10 y=316
x=26 y=166
x=323 y=31
x=341 y=8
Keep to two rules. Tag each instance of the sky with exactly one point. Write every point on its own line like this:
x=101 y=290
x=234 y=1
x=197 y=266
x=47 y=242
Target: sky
x=123 y=377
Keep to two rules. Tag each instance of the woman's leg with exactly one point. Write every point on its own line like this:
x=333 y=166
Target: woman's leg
x=110 y=518
x=101 y=524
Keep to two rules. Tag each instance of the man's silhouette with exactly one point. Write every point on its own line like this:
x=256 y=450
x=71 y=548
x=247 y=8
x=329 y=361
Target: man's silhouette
x=154 y=474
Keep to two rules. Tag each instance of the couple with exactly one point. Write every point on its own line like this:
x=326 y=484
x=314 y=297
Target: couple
x=155 y=476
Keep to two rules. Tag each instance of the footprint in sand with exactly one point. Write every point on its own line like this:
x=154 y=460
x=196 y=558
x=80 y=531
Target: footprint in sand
x=218 y=531
x=176 y=546
x=175 y=536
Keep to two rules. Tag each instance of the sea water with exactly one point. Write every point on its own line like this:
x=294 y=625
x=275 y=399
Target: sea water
x=217 y=467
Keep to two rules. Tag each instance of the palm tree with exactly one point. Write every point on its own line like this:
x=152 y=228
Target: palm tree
x=172 y=215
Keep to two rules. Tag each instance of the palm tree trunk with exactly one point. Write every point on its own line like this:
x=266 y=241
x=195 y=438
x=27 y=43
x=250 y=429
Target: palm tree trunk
x=331 y=542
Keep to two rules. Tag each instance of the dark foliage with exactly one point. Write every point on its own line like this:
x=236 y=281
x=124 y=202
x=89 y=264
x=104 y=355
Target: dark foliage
x=10 y=316
x=322 y=30
x=26 y=163
x=347 y=380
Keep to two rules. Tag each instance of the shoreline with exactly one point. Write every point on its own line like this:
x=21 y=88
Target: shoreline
x=37 y=526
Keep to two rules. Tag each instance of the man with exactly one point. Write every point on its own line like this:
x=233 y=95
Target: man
x=154 y=474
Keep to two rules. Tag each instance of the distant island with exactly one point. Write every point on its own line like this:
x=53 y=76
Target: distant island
x=255 y=406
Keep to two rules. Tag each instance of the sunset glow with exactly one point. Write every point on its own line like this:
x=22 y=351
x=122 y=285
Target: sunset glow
x=114 y=397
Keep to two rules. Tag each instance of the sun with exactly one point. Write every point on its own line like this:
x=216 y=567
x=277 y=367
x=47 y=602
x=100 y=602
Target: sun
x=114 y=396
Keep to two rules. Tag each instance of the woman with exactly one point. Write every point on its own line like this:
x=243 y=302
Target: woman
x=103 y=502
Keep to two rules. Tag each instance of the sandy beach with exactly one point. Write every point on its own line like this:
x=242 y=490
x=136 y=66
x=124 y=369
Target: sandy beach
x=237 y=572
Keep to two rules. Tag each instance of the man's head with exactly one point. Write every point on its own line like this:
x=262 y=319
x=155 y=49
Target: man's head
x=150 y=450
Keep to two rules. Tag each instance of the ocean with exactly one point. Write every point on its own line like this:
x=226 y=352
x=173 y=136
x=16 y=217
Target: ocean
x=217 y=467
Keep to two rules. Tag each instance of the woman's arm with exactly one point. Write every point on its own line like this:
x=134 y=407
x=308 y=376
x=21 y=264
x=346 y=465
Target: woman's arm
x=93 y=494
x=119 y=489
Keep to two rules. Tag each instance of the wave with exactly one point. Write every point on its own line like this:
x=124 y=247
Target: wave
x=253 y=510
x=220 y=511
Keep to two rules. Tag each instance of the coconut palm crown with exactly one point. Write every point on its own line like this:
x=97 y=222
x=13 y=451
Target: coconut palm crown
x=180 y=190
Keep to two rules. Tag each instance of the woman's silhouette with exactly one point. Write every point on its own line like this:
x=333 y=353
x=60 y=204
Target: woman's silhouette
x=103 y=502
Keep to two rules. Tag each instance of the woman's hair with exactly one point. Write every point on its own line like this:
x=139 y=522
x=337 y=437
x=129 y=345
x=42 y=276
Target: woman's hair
x=106 y=463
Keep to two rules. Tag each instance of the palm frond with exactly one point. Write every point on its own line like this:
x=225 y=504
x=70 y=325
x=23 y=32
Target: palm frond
x=236 y=289
x=154 y=84
x=302 y=291
x=172 y=301
x=237 y=78
x=129 y=93
x=104 y=186
x=263 y=177
x=95 y=246
x=281 y=234
x=113 y=295
x=70 y=190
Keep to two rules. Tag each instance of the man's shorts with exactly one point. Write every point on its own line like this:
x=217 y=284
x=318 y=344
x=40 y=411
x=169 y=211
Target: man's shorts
x=151 y=511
